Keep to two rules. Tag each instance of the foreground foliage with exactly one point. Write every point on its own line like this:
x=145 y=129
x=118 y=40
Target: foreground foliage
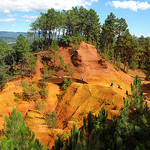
x=17 y=136
x=130 y=131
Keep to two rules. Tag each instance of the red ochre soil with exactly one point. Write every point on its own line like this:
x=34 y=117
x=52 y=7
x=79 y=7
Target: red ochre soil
x=79 y=98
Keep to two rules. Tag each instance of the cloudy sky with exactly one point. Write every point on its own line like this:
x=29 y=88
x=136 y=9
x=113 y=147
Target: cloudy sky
x=17 y=15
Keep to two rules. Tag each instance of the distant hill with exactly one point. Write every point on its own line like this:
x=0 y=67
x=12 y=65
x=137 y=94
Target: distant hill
x=11 y=36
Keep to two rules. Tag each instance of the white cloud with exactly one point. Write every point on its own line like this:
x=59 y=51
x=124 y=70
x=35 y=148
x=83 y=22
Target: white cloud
x=139 y=35
x=11 y=15
x=29 y=17
x=132 y=5
x=7 y=19
x=13 y=25
x=40 y=5
x=27 y=20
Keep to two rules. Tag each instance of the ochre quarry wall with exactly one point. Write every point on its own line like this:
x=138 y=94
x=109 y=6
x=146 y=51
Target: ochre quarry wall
x=79 y=99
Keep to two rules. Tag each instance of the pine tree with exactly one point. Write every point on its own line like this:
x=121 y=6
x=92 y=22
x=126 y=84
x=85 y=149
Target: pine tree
x=109 y=30
x=17 y=135
x=22 y=48
x=133 y=125
x=147 y=58
x=6 y=62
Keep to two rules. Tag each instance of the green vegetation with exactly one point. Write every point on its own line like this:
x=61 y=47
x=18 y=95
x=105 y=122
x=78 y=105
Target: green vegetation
x=15 y=61
x=118 y=45
x=113 y=41
x=17 y=135
x=66 y=83
x=75 y=120
x=76 y=25
x=51 y=120
x=43 y=91
x=40 y=104
x=46 y=73
x=29 y=91
x=129 y=131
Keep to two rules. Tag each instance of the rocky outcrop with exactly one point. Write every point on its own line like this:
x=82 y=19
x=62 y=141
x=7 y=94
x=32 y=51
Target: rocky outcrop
x=76 y=59
x=79 y=99
x=36 y=122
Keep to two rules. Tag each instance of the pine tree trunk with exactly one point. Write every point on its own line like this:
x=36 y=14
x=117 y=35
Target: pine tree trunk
x=108 y=48
x=49 y=35
x=39 y=33
x=125 y=63
x=115 y=59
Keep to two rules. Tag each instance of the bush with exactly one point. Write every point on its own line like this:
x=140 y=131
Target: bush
x=72 y=72
x=134 y=65
x=67 y=68
x=66 y=40
x=65 y=84
x=43 y=91
x=75 y=120
x=46 y=73
x=75 y=46
x=62 y=64
x=40 y=105
x=51 y=120
x=29 y=92
x=147 y=77
x=32 y=63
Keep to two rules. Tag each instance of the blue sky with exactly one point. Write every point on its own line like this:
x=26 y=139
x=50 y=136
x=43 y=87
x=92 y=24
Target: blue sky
x=17 y=15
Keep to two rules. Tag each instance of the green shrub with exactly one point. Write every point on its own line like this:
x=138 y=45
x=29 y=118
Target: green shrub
x=40 y=105
x=54 y=45
x=70 y=81
x=62 y=64
x=76 y=45
x=65 y=135
x=64 y=87
x=46 y=73
x=51 y=120
x=65 y=84
x=32 y=63
x=66 y=40
x=72 y=72
x=147 y=77
x=43 y=91
x=29 y=92
x=67 y=67
x=75 y=120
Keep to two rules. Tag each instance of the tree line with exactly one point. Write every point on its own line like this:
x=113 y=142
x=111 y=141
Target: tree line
x=72 y=23
x=113 y=39
x=15 y=61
